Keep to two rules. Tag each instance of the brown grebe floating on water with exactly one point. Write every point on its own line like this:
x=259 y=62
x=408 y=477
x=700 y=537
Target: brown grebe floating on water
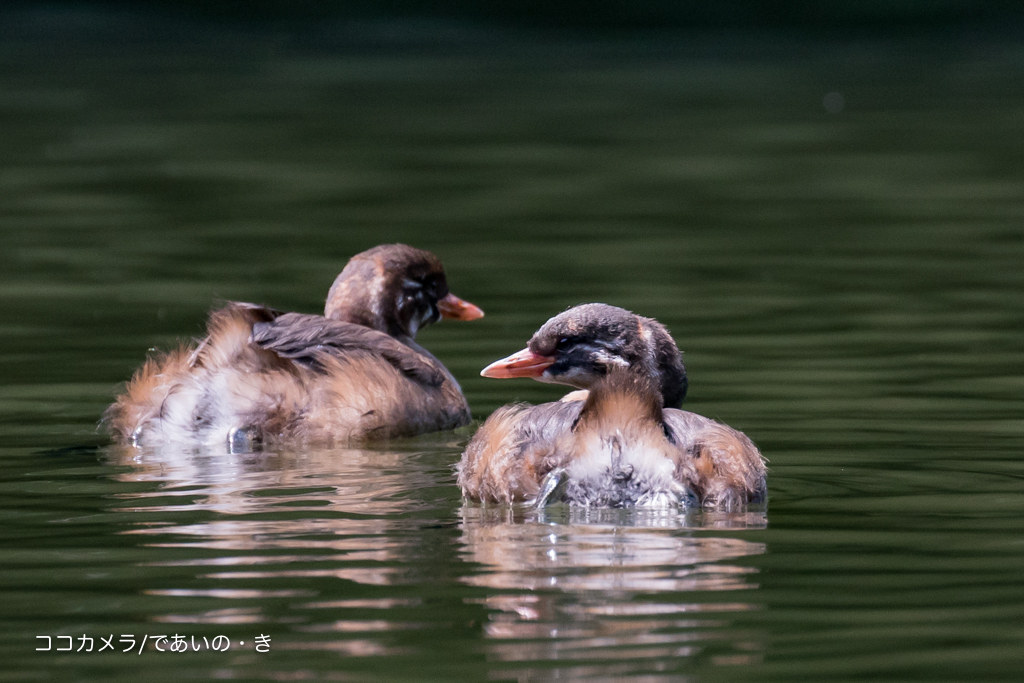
x=623 y=440
x=353 y=374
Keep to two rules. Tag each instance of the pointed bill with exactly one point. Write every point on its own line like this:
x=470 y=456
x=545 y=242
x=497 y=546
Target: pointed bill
x=523 y=363
x=454 y=308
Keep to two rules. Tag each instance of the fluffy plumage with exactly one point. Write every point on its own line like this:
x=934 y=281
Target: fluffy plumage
x=261 y=374
x=613 y=444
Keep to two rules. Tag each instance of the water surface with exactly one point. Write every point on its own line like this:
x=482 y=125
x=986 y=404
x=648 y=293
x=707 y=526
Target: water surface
x=846 y=287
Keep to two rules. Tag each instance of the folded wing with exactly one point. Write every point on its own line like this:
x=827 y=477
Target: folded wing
x=309 y=340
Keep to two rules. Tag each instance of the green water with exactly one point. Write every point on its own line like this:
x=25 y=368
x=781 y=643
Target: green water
x=847 y=289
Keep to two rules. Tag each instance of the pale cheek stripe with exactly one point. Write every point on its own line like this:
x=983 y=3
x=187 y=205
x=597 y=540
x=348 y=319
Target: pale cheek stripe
x=375 y=295
x=610 y=359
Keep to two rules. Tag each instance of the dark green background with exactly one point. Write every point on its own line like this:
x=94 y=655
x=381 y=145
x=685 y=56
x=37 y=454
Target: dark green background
x=602 y=15
x=846 y=287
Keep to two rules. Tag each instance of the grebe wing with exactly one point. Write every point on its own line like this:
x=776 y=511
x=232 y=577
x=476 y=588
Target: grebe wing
x=308 y=340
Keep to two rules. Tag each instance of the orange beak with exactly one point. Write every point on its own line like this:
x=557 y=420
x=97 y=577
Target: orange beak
x=454 y=308
x=523 y=363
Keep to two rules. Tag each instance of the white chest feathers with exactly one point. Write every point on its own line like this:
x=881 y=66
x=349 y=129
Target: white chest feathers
x=611 y=470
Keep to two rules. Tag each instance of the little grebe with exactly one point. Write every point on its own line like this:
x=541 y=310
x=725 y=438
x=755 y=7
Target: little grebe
x=353 y=374
x=622 y=440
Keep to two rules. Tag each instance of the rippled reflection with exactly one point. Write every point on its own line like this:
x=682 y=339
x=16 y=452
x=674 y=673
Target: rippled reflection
x=611 y=594
x=343 y=480
x=282 y=538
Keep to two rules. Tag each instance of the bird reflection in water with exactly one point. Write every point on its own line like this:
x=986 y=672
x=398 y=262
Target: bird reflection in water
x=612 y=593
x=265 y=537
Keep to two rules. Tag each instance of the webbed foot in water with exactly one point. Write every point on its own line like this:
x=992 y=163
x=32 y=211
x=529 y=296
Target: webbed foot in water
x=552 y=488
x=243 y=440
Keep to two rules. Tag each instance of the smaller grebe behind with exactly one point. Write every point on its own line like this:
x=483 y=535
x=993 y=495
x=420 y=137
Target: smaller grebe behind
x=353 y=374
x=622 y=440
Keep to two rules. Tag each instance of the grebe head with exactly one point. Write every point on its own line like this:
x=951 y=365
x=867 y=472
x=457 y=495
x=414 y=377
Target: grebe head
x=396 y=289
x=580 y=346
